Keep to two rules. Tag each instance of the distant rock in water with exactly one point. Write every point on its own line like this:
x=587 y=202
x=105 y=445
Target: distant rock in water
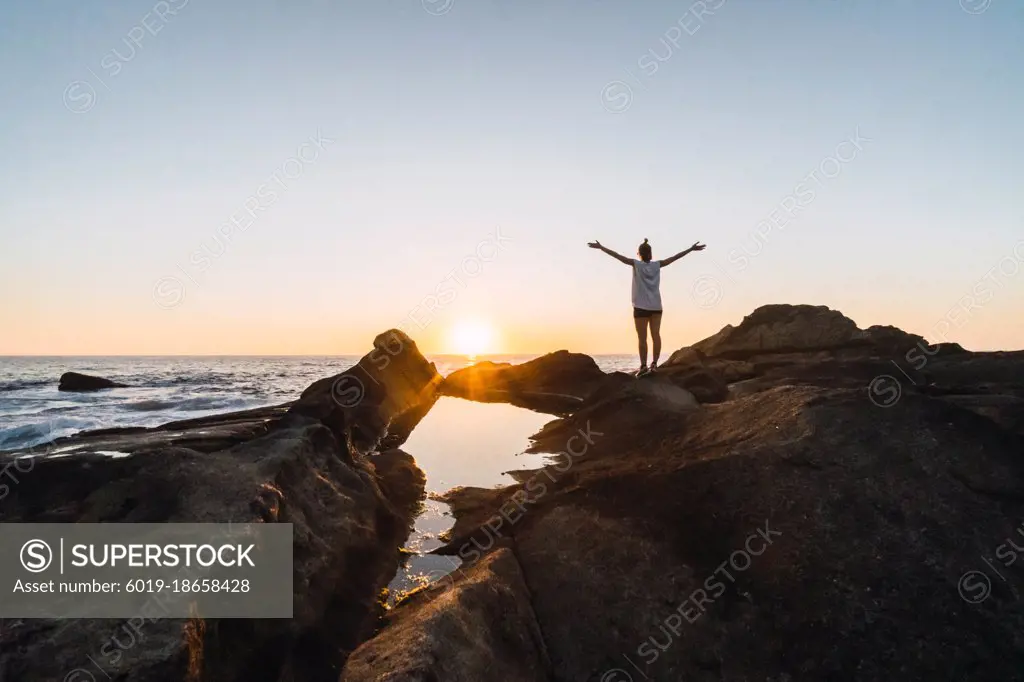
x=73 y=381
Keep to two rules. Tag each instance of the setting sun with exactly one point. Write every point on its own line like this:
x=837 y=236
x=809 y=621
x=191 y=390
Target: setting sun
x=472 y=337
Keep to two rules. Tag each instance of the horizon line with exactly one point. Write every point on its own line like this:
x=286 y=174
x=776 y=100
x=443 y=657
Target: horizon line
x=282 y=355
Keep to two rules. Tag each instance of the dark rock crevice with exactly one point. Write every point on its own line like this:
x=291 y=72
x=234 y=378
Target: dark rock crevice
x=477 y=624
x=542 y=644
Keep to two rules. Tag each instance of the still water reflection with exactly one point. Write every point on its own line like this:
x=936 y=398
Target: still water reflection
x=462 y=443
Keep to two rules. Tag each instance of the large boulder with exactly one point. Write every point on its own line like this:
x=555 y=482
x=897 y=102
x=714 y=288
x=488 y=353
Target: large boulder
x=383 y=396
x=351 y=516
x=555 y=383
x=73 y=381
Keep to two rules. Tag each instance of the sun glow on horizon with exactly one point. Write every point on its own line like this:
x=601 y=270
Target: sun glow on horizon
x=472 y=338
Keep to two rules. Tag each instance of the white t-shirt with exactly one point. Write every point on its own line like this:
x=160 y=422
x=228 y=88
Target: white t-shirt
x=647 y=284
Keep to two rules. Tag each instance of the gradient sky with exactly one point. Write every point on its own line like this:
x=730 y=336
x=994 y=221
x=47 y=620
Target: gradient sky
x=452 y=119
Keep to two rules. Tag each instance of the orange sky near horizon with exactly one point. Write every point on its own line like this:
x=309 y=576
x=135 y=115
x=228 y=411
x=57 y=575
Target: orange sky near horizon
x=86 y=332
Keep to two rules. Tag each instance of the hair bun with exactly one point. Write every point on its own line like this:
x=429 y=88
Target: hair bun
x=645 y=240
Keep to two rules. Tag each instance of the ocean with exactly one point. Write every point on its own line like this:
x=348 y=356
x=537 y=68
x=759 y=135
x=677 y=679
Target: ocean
x=165 y=389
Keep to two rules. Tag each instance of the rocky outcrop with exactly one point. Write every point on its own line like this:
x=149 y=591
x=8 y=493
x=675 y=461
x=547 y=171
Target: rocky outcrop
x=73 y=381
x=813 y=345
x=383 y=395
x=280 y=465
x=802 y=529
x=481 y=627
x=801 y=329
x=555 y=383
x=797 y=344
x=797 y=533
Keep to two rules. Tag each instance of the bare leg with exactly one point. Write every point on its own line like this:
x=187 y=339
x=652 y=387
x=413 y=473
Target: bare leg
x=641 y=335
x=656 y=336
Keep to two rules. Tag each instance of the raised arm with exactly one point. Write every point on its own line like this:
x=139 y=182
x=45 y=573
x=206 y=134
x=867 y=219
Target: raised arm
x=617 y=256
x=697 y=246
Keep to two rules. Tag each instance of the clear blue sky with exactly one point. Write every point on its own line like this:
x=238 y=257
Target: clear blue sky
x=455 y=117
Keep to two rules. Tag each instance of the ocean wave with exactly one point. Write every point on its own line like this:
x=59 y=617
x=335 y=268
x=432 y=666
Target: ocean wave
x=41 y=432
x=210 y=403
x=204 y=379
x=22 y=384
x=196 y=404
x=150 y=405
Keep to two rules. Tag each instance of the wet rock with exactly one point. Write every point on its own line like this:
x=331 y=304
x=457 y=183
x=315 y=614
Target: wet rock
x=73 y=381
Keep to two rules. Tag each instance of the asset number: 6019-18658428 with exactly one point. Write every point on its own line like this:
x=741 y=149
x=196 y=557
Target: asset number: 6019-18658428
x=230 y=585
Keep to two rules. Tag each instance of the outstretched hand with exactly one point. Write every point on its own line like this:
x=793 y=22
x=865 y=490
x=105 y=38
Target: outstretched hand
x=697 y=246
x=594 y=244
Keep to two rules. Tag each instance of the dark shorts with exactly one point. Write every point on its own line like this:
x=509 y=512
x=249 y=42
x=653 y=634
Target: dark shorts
x=640 y=312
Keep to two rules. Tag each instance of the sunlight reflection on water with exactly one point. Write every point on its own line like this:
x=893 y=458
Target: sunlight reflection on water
x=462 y=443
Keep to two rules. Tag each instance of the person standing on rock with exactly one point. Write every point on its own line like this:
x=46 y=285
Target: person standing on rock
x=647 y=295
